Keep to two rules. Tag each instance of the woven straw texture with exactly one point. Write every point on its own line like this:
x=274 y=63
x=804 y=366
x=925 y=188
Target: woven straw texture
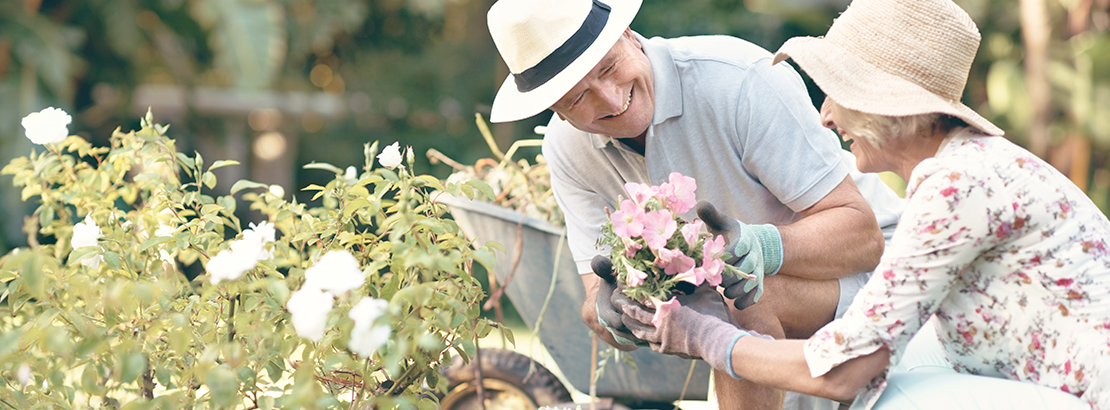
x=895 y=58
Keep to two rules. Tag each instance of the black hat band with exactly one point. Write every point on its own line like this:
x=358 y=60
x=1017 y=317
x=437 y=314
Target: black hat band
x=559 y=59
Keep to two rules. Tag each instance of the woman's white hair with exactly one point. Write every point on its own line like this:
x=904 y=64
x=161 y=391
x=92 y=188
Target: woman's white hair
x=877 y=129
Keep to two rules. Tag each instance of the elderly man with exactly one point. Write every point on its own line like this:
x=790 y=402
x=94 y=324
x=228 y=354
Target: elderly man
x=630 y=109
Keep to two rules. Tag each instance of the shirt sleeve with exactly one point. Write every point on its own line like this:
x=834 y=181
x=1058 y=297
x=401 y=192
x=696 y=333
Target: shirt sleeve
x=947 y=224
x=781 y=127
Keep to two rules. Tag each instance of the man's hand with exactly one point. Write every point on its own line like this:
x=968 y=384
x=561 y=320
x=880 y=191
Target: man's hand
x=756 y=250
x=701 y=328
x=608 y=315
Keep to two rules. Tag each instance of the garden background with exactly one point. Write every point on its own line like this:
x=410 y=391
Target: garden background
x=275 y=84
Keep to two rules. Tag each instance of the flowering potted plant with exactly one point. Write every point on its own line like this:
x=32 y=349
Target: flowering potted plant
x=654 y=252
x=354 y=301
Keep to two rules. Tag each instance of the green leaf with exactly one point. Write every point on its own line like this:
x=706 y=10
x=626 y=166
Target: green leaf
x=429 y=181
x=245 y=184
x=187 y=162
x=392 y=287
x=80 y=254
x=112 y=259
x=228 y=202
x=222 y=163
x=157 y=240
x=482 y=186
x=9 y=341
x=354 y=206
x=324 y=166
x=209 y=180
x=90 y=380
x=274 y=368
x=486 y=258
x=222 y=385
x=132 y=365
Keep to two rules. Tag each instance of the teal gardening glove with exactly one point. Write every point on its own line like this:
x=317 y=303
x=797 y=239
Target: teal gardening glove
x=607 y=314
x=755 y=249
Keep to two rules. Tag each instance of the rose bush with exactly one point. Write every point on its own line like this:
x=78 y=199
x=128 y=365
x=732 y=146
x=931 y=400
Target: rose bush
x=354 y=301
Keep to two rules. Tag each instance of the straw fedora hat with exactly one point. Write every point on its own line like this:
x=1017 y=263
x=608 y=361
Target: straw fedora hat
x=894 y=58
x=550 y=45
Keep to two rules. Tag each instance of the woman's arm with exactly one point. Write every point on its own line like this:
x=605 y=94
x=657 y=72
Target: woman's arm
x=782 y=364
x=702 y=327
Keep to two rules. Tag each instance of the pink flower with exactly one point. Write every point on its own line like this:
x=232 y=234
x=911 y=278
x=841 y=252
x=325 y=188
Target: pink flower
x=690 y=231
x=695 y=276
x=631 y=247
x=629 y=221
x=663 y=309
x=714 y=248
x=681 y=197
x=673 y=261
x=711 y=269
x=658 y=228
x=635 y=276
x=639 y=192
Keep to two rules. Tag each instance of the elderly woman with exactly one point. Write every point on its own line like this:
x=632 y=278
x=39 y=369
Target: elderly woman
x=1008 y=254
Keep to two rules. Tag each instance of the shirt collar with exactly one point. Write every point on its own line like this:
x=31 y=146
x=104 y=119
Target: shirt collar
x=666 y=83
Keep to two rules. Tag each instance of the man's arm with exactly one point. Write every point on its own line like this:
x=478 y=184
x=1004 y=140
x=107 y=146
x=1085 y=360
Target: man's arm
x=838 y=236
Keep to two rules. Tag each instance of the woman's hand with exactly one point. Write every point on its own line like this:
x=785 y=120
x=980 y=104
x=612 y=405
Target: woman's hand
x=701 y=328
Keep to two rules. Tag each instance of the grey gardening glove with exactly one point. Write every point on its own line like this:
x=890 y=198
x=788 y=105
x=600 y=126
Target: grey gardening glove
x=755 y=249
x=701 y=328
x=607 y=314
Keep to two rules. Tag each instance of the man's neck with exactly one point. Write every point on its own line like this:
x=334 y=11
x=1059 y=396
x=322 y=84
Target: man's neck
x=637 y=144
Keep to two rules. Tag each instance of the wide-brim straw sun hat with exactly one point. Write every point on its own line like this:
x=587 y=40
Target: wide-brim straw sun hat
x=894 y=58
x=550 y=45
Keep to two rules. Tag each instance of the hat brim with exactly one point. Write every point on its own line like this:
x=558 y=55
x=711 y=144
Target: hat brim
x=858 y=85
x=512 y=105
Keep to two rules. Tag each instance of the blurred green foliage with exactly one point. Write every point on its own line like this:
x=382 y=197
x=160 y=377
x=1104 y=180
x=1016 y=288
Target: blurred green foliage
x=343 y=72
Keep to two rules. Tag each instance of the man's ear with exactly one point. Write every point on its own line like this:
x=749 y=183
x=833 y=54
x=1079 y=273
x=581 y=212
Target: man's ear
x=631 y=38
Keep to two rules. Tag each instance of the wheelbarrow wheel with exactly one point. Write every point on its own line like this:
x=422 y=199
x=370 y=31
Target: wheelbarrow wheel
x=511 y=381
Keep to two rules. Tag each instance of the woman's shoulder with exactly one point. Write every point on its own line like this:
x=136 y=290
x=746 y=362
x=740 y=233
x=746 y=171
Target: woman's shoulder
x=972 y=157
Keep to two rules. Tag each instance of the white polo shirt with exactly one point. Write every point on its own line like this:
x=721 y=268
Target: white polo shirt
x=743 y=129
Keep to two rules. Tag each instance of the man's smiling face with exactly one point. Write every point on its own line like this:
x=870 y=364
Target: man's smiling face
x=616 y=98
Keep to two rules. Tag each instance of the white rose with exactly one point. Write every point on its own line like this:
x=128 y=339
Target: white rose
x=229 y=264
x=277 y=190
x=309 y=308
x=336 y=272
x=265 y=229
x=390 y=157
x=24 y=374
x=366 y=338
x=46 y=126
x=86 y=233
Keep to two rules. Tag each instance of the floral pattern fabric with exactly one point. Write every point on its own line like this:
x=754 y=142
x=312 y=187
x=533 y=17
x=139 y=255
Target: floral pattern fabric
x=1011 y=257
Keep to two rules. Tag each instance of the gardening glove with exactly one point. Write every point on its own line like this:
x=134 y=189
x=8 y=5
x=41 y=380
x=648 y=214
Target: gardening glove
x=756 y=250
x=701 y=327
x=608 y=315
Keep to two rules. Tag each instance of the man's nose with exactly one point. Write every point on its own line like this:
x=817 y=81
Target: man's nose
x=611 y=99
x=826 y=114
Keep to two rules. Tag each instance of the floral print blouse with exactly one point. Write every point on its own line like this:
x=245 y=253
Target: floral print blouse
x=1012 y=258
